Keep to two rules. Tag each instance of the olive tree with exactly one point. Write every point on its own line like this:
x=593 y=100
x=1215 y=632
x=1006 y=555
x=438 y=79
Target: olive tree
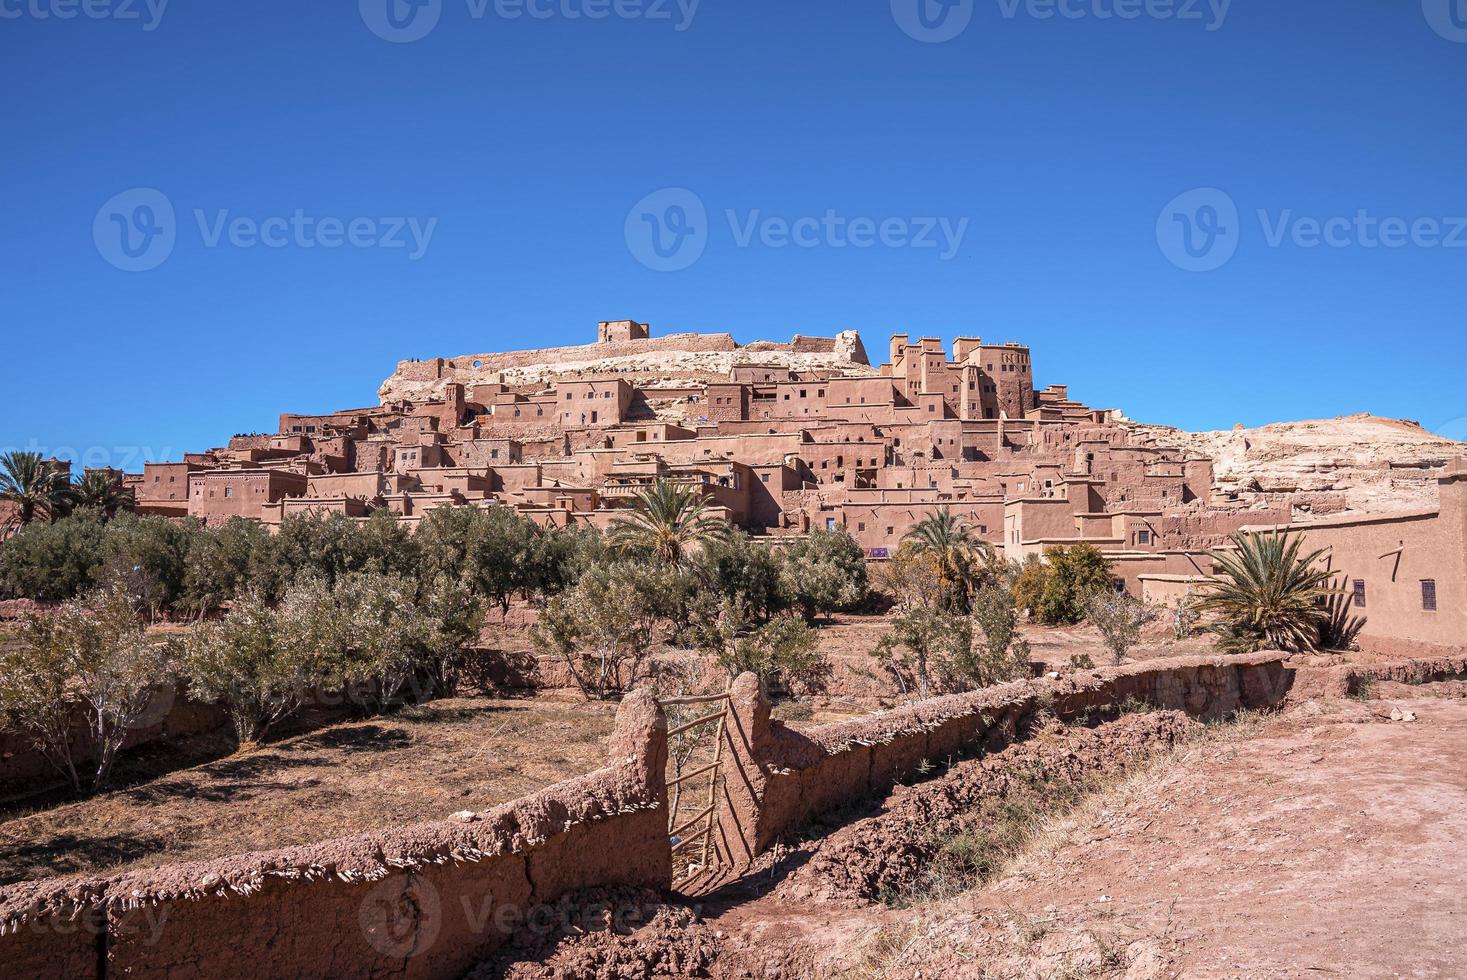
x=89 y=660
x=824 y=573
x=259 y=662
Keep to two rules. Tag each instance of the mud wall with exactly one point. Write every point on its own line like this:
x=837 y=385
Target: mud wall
x=779 y=779
x=169 y=715
x=424 y=901
x=1349 y=680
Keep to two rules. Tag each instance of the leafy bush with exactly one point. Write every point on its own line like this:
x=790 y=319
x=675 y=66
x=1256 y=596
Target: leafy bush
x=1054 y=591
x=926 y=645
x=260 y=663
x=225 y=561
x=52 y=562
x=1183 y=616
x=603 y=627
x=89 y=658
x=1120 y=619
x=148 y=557
x=1001 y=654
x=911 y=579
x=824 y=573
x=738 y=568
x=781 y=651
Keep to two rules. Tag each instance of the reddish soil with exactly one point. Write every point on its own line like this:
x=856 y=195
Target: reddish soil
x=423 y=763
x=1330 y=845
x=1323 y=842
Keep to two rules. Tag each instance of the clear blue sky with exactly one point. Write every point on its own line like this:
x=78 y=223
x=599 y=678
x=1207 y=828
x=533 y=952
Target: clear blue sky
x=1060 y=141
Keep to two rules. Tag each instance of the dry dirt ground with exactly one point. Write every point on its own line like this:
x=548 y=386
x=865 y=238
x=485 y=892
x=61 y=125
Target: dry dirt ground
x=1323 y=842
x=1331 y=844
x=423 y=763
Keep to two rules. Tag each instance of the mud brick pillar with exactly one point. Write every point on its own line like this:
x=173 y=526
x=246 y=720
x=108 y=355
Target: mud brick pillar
x=742 y=834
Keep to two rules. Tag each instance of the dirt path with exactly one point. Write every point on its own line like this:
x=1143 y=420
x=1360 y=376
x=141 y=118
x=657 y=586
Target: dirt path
x=1330 y=845
x=1327 y=842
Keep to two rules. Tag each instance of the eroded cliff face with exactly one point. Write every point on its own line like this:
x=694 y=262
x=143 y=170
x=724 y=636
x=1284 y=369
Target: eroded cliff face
x=1352 y=464
x=660 y=361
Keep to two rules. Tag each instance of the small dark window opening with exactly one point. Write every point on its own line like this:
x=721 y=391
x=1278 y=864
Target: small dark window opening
x=1359 y=593
x=1428 y=594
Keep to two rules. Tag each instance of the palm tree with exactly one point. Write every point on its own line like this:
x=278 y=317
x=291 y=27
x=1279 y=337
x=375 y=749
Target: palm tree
x=1267 y=596
x=33 y=487
x=666 y=519
x=956 y=548
x=102 y=489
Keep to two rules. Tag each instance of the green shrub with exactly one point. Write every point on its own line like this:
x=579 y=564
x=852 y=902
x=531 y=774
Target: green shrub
x=1054 y=591
x=824 y=573
x=89 y=659
x=52 y=562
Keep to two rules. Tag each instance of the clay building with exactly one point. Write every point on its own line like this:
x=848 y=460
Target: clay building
x=784 y=438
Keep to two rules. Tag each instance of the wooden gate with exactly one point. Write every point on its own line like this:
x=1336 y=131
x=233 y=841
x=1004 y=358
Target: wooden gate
x=694 y=781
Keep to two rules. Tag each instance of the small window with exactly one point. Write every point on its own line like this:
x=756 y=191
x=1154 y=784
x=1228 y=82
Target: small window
x=1120 y=585
x=861 y=526
x=1428 y=594
x=1142 y=537
x=764 y=477
x=229 y=491
x=830 y=524
x=1359 y=593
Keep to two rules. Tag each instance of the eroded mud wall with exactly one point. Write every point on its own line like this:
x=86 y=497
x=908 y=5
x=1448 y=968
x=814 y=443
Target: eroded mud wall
x=779 y=779
x=428 y=901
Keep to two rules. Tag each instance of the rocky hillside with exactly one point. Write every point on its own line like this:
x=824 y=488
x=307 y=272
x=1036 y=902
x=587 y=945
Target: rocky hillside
x=677 y=359
x=1356 y=464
